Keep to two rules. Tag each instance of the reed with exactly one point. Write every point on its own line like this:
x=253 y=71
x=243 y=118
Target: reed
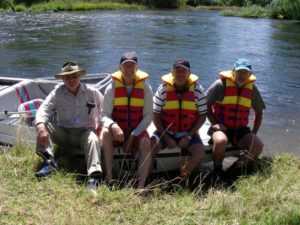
x=252 y=11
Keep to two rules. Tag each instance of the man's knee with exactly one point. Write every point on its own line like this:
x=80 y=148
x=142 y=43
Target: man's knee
x=89 y=138
x=145 y=145
x=259 y=145
x=220 y=140
x=92 y=137
x=106 y=134
x=155 y=145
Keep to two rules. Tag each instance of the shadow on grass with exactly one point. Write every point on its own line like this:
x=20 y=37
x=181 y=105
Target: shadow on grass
x=228 y=180
x=73 y=165
x=199 y=182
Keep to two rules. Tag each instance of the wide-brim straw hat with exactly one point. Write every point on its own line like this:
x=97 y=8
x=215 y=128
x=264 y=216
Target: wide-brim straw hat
x=70 y=68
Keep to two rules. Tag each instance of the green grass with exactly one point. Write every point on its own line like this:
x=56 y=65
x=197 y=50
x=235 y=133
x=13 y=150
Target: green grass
x=79 y=6
x=251 y=11
x=56 y=6
x=270 y=196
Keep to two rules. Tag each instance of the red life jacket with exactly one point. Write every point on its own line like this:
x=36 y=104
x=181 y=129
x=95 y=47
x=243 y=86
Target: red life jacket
x=128 y=110
x=180 y=111
x=233 y=111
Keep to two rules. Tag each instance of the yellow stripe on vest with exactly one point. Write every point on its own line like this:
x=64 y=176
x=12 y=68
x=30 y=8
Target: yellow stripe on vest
x=137 y=102
x=121 y=101
x=175 y=105
x=234 y=100
x=188 y=105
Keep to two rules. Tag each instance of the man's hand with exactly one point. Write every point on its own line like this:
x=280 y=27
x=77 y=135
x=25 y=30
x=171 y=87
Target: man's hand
x=219 y=127
x=42 y=134
x=184 y=141
x=171 y=143
x=117 y=132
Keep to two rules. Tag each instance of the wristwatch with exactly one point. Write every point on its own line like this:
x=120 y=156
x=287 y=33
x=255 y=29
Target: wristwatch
x=189 y=137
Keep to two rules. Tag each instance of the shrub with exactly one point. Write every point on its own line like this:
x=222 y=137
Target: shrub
x=285 y=9
x=161 y=3
x=202 y=2
x=251 y=11
x=20 y=8
x=245 y=2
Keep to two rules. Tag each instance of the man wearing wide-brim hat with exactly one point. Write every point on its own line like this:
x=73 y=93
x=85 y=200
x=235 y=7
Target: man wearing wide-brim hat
x=77 y=107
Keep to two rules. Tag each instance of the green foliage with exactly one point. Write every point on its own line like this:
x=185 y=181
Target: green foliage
x=252 y=11
x=229 y=2
x=202 y=2
x=57 y=6
x=20 y=8
x=6 y=4
x=285 y=9
x=161 y=3
x=29 y=2
x=245 y=2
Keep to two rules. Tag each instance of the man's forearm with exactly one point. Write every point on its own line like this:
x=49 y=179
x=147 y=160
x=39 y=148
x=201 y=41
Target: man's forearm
x=257 y=122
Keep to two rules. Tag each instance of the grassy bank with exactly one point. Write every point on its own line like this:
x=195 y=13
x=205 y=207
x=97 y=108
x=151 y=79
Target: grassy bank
x=251 y=11
x=60 y=5
x=271 y=196
x=278 y=9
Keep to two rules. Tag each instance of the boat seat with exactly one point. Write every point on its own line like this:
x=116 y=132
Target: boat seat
x=28 y=110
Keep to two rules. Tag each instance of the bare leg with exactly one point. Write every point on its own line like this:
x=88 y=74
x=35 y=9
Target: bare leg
x=254 y=147
x=108 y=152
x=219 y=148
x=145 y=161
x=192 y=162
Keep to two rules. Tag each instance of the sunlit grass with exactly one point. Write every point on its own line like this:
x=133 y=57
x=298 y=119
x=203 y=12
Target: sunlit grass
x=56 y=6
x=251 y=11
x=270 y=196
x=80 y=6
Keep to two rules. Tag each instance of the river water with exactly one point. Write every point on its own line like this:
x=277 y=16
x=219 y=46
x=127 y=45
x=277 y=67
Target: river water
x=36 y=45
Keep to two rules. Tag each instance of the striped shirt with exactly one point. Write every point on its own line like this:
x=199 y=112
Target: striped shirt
x=159 y=99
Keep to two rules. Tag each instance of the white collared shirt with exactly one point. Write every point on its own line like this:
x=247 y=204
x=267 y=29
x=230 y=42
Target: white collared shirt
x=72 y=111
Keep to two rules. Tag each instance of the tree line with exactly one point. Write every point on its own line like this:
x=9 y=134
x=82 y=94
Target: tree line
x=289 y=9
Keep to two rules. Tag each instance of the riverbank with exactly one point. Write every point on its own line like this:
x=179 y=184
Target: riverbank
x=281 y=9
x=235 y=11
x=270 y=196
x=58 y=6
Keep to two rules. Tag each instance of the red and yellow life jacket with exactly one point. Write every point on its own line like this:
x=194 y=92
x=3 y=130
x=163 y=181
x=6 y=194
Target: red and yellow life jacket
x=180 y=111
x=233 y=111
x=128 y=109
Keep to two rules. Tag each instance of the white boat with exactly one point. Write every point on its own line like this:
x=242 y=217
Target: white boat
x=16 y=123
